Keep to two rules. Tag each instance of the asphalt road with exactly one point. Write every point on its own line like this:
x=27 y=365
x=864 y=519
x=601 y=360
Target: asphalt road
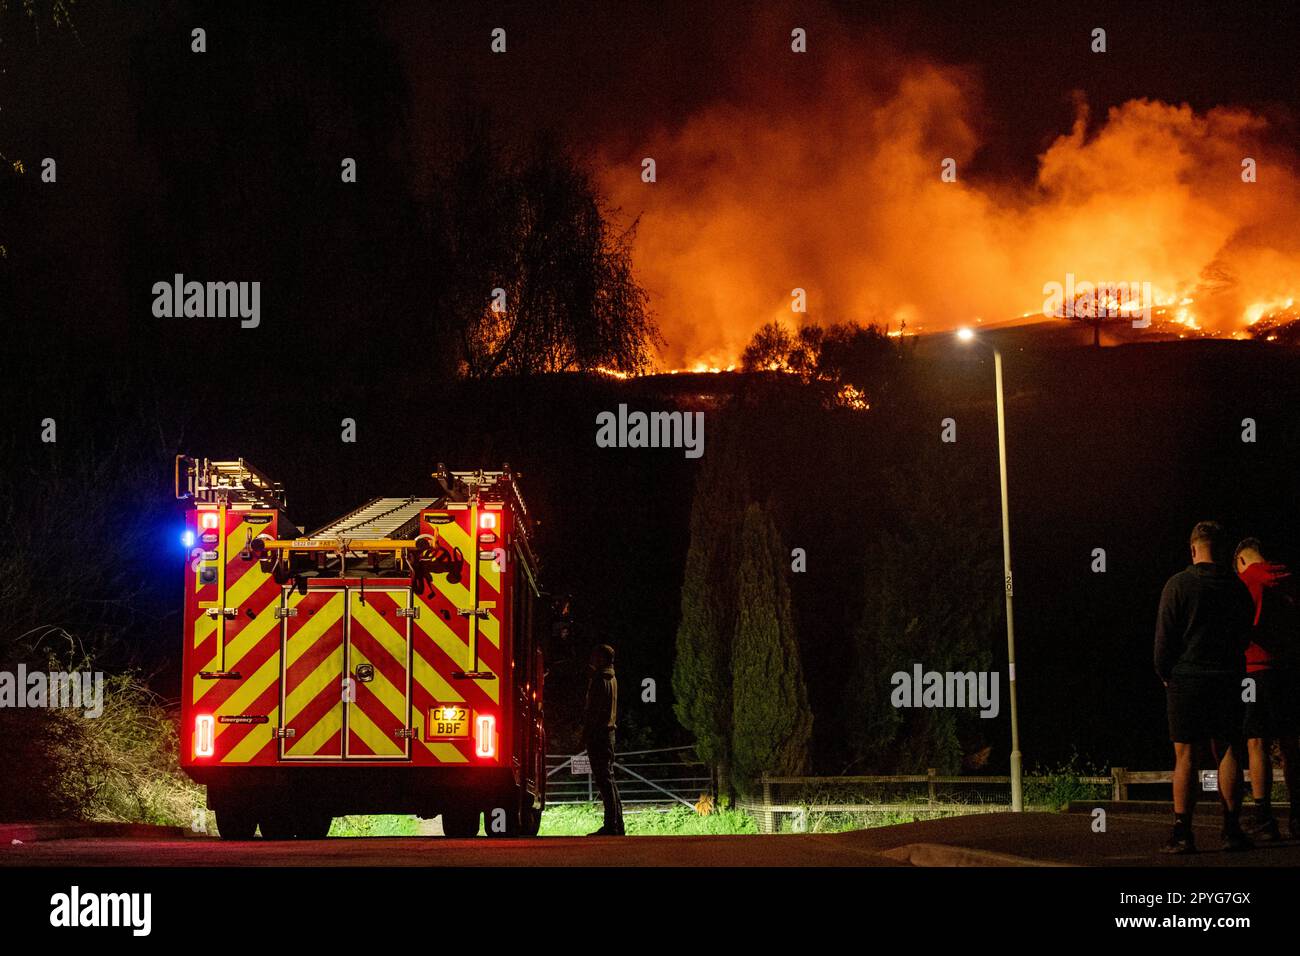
x=1052 y=839
x=789 y=850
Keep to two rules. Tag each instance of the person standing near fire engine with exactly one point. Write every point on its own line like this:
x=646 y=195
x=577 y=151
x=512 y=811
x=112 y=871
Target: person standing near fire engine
x=599 y=721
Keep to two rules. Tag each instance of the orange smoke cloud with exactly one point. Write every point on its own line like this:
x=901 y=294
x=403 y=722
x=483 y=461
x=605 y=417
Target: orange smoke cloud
x=836 y=190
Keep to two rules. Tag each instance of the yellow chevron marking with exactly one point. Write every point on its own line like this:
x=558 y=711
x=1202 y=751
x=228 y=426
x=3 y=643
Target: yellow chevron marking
x=204 y=627
x=251 y=634
x=385 y=632
x=445 y=752
x=454 y=537
x=431 y=680
x=490 y=627
x=242 y=643
x=243 y=589
x=359 y=722
x=250 y=689
x=393 y=698
x=200 y=685
x=441 y=634
x=326 y=616
x=488 y=686
x=460 y=595
x=308 y=744
x=327 y=674
x=257 y=738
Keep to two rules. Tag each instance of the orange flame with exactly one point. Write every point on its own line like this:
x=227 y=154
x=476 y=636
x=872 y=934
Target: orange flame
x=839 y=193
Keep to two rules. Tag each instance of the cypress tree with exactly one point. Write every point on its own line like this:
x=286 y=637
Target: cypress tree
x=702 y=666
x=771 y=719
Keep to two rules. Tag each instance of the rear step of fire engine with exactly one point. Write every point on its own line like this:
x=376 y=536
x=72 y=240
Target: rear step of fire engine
x=380 y=518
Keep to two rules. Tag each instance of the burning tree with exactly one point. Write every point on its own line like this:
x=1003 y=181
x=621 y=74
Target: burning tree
x=530 y=225
x=863 y=358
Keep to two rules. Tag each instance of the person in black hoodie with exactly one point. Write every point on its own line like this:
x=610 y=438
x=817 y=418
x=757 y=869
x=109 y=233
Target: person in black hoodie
x=599 y=721
x=1202 y=630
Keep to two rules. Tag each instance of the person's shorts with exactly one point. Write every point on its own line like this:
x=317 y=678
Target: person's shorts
x=1204 y=707
x=1275 y=711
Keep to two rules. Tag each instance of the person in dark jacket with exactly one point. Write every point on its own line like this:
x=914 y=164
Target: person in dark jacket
x=1274 y=713
x=599 y=721
x=1202 y=629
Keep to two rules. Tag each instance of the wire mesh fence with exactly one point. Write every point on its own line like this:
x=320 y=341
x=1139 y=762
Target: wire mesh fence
x=664 y=776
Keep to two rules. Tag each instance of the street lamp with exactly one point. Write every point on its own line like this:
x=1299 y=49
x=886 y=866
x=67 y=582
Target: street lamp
x=966 y=335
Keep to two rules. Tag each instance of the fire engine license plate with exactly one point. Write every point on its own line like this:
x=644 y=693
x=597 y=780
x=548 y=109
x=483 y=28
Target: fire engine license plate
x=449 y=720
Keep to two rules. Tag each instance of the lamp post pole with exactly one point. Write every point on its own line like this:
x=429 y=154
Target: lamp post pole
x=1017 y=782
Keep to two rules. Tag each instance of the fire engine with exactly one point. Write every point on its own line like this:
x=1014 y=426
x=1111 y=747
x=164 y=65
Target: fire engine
x=385 y=663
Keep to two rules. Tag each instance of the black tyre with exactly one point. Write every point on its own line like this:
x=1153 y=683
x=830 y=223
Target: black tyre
x=520 y=817
x=531 y=822
x=278 y=825
x=493 y=821
x=313 y=825
x=235 y=823
x=460 y=822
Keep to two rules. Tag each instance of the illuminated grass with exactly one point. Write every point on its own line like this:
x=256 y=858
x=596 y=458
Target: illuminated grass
x=582 y=818
x=377 y=825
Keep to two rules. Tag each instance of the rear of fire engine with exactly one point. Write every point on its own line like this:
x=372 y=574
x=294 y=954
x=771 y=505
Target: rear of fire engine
x=384 y=663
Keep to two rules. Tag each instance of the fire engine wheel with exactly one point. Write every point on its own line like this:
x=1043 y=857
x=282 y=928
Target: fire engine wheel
x=277 y=825
x=520 y=817
x=532 y=821
x=235 y=824
x=460 y=822
x=313 y=825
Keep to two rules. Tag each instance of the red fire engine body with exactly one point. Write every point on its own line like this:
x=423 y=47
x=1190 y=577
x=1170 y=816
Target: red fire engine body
x=385 y=663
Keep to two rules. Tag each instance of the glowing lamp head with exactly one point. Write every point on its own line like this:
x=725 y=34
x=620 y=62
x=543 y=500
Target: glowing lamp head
x=965 y=335
x=448 y=713
x=487 y=519
x=208 y=520
x=485 y=736
x=187 y=538
x=204 y=735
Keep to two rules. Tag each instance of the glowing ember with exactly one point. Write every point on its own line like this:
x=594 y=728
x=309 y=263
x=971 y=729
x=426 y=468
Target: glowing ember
x=852 y=397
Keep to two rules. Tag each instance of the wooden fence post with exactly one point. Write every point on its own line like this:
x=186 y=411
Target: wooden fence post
x=930 y=772
x=1119 y=784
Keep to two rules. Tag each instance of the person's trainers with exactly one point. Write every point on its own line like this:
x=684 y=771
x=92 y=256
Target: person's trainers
x=1265 y=830
x=1234 y=841
x=603 y=831
x=1180 y=842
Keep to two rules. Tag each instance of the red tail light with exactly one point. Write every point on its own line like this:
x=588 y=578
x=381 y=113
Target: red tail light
x=487 y=519
x=204 y=735
x=485 y=736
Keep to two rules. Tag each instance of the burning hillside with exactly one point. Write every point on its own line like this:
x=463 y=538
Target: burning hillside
x=836 y=189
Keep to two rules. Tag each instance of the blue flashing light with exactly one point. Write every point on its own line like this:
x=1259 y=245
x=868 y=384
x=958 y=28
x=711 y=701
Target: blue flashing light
x=187 y=539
